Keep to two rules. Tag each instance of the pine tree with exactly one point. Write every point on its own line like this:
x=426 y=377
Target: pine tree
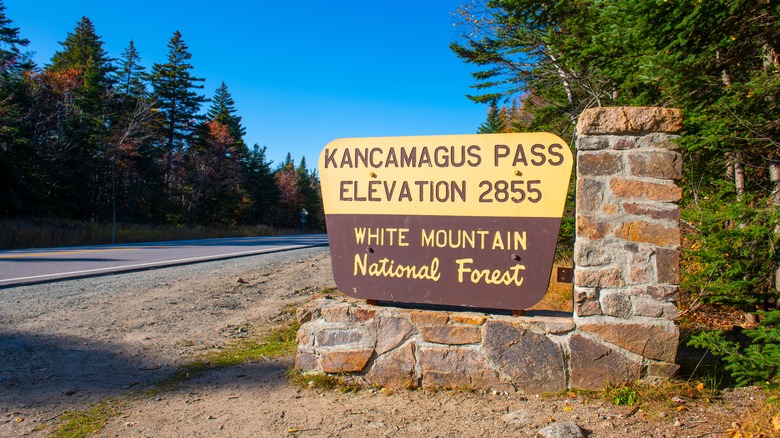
x=178 y=102
x=174 y=90
x=223 y=110
x=11 y=56
x=261 y=187
x=494 y=123
x=15 y=152
x=131 y=75
x=81 y=72
x=83 y=51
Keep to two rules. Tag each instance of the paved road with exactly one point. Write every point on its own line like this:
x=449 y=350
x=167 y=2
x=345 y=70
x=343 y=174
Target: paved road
x=40 y=265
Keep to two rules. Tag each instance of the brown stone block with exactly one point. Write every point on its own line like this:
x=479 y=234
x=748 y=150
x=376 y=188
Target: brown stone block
x=645 y=306
x=553 y=324
x=336 y=313
x=451 y=334
x=599 y=163
x=395 y=369
x=636 y=189
x=623 y=143
x=662 y=370
x=593 y=229
x=429 y=317
x=594 y=364
x=599 y=278
x=668 y=293
x=309 y=311
x=302 y=337
x=616 y=304
x=629 y=120
x=667 y=265
x=655 y=164
x=594 y=255
x=452 y=367
x=648 y=340
x=350 y=361
x=592 y=143
x=533 y=361
x=588 y=308
x=306 y=362
x=670 y=212
x=646 y=232
x=360 y=314
x=392 y=332
x=468 y=318
x=659 y=141
x=342 y=337
x=589 y=194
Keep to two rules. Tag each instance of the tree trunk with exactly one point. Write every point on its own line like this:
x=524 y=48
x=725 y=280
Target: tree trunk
x=739 y=178
x=774 y=178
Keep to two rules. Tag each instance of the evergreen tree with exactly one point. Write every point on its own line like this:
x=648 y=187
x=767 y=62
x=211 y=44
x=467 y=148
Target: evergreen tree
x=261 y=187
x=178 y=102
x=83 y=52
x=223 y=110
x=131 y=75
x=11 y=56
x=174 y=90
x=494 y=123
x=15 y=152
x=80 y=170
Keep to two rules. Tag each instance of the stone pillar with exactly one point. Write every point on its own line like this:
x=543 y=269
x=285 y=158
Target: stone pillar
x=626 y=253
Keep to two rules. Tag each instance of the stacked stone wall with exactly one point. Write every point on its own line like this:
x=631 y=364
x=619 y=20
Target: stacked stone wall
x=625 y=288
x=626 y=253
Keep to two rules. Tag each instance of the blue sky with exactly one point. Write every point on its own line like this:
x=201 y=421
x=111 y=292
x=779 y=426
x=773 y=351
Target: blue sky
x=302 y=73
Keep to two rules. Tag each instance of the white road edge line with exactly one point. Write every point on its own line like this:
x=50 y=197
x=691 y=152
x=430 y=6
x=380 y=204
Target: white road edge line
x=140 y=265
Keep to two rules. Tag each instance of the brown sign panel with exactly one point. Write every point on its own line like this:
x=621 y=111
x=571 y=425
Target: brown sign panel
x=469 y=220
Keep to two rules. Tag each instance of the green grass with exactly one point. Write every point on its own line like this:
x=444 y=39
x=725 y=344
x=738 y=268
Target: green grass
x=322 y=381
x=86 y=422
x=278 y=342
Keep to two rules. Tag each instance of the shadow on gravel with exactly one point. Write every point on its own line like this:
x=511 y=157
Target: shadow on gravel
x=40 y=371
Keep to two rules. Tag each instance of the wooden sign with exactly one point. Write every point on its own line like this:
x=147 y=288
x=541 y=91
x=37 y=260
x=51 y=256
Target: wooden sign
x=467 y=220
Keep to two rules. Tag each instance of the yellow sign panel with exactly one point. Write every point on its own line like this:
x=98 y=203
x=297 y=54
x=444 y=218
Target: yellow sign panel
x=486 y=175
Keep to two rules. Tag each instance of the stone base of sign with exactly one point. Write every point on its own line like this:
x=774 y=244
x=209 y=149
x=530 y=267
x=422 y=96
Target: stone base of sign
x=626 y=276
x=405 y=348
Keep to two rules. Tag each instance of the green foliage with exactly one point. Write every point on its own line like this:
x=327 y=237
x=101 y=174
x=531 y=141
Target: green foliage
x=176 y=96
x=86 y=422
x=85 y=139
x=734 y=249
x=494 y=123
x=625 y=396
x=756 y=363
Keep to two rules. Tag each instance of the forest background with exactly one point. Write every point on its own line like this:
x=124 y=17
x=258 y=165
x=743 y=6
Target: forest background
x=88 y=135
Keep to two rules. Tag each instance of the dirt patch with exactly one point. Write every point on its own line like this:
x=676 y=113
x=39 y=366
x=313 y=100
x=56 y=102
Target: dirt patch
x=66 y=345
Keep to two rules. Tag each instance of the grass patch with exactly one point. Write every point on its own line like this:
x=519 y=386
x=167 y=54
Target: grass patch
x=86 y=422
x=277 y=342
x=322 y=381
x=669 y=395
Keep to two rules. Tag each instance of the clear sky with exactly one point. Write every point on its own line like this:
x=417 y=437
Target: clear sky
x=302 y=73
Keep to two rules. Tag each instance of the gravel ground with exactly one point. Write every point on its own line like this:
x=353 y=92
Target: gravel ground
x=66 y=345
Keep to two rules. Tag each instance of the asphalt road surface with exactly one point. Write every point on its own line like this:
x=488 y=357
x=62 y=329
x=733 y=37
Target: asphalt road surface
x=40 y=265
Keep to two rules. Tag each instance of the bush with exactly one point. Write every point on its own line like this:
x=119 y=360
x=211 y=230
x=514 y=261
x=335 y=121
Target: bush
x=733 y=251
x=757 y=363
